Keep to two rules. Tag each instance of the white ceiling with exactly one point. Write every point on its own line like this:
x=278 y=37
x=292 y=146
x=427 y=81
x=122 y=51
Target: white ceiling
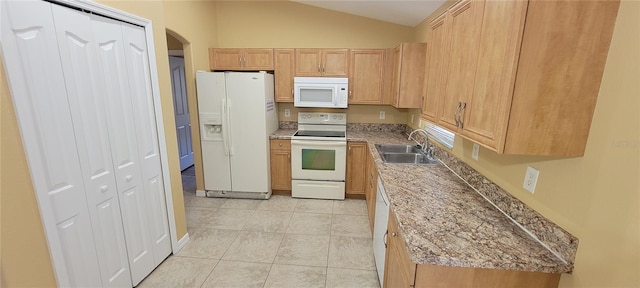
x=409 y=13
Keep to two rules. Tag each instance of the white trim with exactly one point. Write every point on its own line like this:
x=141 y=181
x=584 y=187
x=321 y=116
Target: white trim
x=201 y=193
x=181 y=243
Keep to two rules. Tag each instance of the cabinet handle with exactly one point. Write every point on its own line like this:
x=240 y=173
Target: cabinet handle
x=240 y=61
x=318 y=67
x=455 y=115
x=394 y=234
x=288 y=155
x=350 y=93
x=280 y=144
x=384 y=238
x=323 y=65
x=464 y=106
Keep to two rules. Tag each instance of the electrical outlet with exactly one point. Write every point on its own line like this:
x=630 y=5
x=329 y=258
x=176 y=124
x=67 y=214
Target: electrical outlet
x=382 y=115
x=287 y=113
x=411 y=118
x=474 y=153
x=530 y=179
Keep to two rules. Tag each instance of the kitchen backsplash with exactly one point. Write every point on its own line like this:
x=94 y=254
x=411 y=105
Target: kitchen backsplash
x=561 y=242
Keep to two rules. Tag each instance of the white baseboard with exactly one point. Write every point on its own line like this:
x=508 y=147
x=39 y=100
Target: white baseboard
x=183 y=241
x=201 y=193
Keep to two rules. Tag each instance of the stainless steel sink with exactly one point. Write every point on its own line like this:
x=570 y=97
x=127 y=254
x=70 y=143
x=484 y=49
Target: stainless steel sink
x=405 y=154
x=395 y=148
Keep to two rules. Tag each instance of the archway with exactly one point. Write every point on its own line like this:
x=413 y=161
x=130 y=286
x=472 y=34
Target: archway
x=188 y=133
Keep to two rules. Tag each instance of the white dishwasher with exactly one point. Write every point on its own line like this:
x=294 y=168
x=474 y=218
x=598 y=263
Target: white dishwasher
x=380 y=230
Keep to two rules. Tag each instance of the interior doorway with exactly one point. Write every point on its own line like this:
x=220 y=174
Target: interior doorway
x=181 y=112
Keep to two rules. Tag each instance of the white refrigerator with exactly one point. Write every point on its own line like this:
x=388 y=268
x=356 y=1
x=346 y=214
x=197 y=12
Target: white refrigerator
x=237 y=114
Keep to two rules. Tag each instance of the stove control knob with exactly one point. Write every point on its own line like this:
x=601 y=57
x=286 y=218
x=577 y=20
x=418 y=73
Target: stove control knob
x=334 y=116
x=340 y=117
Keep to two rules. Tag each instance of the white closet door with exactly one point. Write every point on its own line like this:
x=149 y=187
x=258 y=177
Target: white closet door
x=146 y=130
x=123 y=139
x=38 y=89
x=87 y=102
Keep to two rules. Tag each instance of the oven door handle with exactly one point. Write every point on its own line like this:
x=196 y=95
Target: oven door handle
x=319 y=143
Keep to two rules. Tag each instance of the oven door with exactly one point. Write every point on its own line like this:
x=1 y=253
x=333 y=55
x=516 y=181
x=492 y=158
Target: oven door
x=318 y=160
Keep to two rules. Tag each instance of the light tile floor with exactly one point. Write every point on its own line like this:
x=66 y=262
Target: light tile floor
x=280 y=242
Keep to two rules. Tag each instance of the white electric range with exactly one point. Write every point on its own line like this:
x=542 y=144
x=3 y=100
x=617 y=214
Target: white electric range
x=319 y=156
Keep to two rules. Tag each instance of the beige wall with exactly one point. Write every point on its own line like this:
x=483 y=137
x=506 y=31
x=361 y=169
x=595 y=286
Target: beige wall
x=286 y=24
x=355 y=113
x=193 y=23
x=595 y=197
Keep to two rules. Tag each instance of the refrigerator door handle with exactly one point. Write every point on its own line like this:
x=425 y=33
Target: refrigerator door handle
x=229 y=132
x=225 y=126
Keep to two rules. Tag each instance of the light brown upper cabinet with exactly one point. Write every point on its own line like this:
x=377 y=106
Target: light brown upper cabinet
x=463 y=22
x=322 y=62
x=365 y=76
x=240 y=59
x=283 y=74
x=408 y=75
x=528 y=81
x=435 y=81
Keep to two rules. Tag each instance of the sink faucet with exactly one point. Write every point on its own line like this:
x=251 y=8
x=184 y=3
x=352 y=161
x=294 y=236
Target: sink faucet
x=424 y=147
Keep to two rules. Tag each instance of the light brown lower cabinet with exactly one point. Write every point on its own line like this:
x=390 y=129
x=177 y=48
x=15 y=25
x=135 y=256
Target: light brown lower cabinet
x=371 y=191
x=281 y=166
x=400 y=271
x=356 y=169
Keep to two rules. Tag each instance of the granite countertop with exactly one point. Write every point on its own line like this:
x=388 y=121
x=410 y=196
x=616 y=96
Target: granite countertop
x=444 y=221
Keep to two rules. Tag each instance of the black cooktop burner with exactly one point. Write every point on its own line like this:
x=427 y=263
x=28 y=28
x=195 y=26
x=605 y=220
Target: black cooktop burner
x=320 y=133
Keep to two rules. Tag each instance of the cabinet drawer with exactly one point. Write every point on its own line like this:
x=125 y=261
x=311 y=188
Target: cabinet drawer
x=281 y=144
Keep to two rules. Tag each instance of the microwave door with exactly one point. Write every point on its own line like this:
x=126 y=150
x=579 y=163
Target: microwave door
x=315 y=96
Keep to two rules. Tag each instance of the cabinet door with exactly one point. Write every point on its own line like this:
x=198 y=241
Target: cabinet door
x=356 y=163
x=372 y=189
x=464 y=20
x=225 y=59
x=308 y=62
x=335 y=62
x=257 y=59
x=399 y=270
x=284 y=72
x=388 y=83
x=411 y=78
x=487 y=112
x=280 y=165
x=365 y=76
x=435 y=80
x=395 y=79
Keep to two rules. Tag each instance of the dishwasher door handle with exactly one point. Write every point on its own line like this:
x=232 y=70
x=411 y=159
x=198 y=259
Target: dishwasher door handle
x=384 y=238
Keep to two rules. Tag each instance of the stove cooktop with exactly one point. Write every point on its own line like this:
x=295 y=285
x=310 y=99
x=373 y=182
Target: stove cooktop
x=311 y=133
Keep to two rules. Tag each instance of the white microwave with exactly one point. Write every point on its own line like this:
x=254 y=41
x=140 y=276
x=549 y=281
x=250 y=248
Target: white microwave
x=323 y=92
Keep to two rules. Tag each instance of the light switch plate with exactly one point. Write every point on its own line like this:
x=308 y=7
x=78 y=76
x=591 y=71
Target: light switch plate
x=382 y=114
x=531 y=179
x=287 y=112
x=476 y=150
